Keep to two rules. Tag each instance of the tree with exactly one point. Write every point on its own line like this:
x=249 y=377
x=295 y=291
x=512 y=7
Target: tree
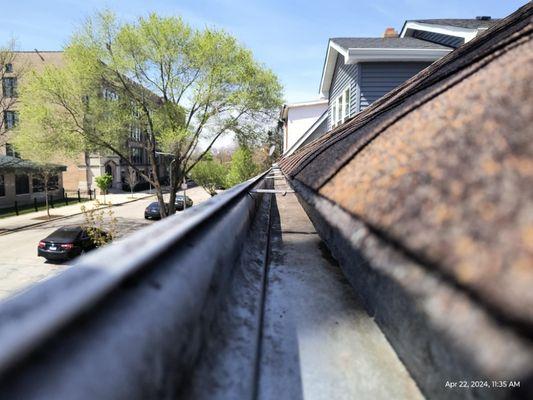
x=35 y=144
x=104 y=183
x=242 y=166
x=131 y=178
x=186 y=87
x=210 y=174
x=101 y=226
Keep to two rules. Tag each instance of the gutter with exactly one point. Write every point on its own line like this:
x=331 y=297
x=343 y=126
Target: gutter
x=440 y=331
x=131 y=317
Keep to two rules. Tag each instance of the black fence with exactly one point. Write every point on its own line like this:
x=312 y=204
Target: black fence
x=63 y=198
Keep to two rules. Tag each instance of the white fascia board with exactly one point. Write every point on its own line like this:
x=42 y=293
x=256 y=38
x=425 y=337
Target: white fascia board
x=329 y=66
x=296 y=145
x=381 y=54
x=466 y=33
x=306 y=103
x=289 y=106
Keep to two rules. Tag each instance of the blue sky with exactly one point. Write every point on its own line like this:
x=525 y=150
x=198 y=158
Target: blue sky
x=290 y=37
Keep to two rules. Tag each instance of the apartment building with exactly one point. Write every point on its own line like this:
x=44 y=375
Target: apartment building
x=79 y=173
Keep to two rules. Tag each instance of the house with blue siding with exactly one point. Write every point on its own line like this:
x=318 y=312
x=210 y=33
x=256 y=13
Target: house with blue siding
x=358 y=71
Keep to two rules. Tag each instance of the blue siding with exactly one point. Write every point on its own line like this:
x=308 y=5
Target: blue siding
x=445 y=40
x=379 y=78
x=344 y=75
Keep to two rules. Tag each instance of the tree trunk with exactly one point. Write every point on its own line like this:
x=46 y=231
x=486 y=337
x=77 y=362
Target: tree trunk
x=177 y=177
x=157 y=185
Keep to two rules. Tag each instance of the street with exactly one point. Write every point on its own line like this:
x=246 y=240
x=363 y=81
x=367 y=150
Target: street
x=20 y=267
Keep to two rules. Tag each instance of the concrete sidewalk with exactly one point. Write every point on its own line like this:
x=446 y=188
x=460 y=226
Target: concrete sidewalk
x=35 y=218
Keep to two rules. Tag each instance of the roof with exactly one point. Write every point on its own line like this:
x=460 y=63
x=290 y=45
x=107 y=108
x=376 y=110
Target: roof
x=440 y=168
x=356 y=50
x=307 y=133
x=473 y=23
x=285 y=108
x=386 y=43
x=13 y=164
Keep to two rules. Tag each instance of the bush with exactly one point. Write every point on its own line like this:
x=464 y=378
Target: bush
x=209 y=174
x=242 y=167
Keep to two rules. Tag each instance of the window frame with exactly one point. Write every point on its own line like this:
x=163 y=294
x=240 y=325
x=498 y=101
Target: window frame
x=11 y=151
x=37 y=183
x=17 y=185
x=14 y=120
x=12 y=86
x=341 y=108
x=137 y=156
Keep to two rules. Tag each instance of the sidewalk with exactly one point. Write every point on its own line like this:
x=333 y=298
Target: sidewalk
x=36 y=218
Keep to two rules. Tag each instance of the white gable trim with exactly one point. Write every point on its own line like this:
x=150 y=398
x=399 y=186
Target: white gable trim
x=329 y=66
x=352 y=56
x=466 y=33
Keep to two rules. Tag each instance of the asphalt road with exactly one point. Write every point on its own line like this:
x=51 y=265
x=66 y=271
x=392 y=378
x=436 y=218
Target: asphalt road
x=19 y=265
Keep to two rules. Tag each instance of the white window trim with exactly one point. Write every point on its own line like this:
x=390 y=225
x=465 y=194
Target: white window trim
x=336 y=105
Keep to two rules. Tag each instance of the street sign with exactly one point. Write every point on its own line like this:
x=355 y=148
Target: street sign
x=184 y=185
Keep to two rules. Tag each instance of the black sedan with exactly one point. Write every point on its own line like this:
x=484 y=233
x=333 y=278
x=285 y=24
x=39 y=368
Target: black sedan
x=152 y=211
x=65 y=243
x=181 y=201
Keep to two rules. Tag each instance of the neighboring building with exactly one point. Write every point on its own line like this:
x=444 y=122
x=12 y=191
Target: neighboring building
x=448 y=32
x=80 y=173
x=297 y=120
x=22 y=181
x=358 y=71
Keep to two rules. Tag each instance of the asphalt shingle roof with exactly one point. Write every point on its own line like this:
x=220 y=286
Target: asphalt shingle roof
x=386 y=43
x=441 y=166
x=460 y=23
x=13 y=164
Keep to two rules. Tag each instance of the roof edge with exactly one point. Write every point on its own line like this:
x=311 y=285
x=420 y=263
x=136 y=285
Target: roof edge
x=307 y=133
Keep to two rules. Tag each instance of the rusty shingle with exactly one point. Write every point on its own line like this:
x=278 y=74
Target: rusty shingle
x=443 y=167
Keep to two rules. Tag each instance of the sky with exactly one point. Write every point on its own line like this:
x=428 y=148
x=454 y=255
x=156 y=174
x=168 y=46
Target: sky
x=289 y=37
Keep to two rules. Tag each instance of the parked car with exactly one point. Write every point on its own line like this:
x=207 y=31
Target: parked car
x=152 y=211
x=66 y=243
x=180 y=201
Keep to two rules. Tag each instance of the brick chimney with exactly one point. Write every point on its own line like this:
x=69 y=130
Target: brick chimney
x=390 y=33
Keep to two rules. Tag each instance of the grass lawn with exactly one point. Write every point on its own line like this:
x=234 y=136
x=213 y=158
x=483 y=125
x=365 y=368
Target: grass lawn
x=29 y=208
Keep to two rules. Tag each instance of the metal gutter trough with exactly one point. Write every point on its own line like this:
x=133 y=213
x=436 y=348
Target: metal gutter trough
x=236 y=298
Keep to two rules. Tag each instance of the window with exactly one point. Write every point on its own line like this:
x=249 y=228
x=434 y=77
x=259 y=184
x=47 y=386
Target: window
x=38 y=183
x=136 y=155
x=109 y=94
x=136 y=132
x=340 y=110
x=2 y=186
x=9 y=67
x=10 y=119
x=9 y=86
x=10 y=151
x=22 y=184
x=347 y=103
